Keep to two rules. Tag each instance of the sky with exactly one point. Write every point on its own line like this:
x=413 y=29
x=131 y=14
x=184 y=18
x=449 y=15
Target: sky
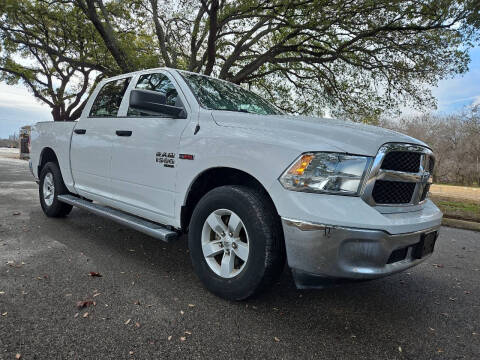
x=19 y=107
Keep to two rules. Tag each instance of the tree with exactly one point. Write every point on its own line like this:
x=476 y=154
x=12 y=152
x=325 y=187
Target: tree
x=454 y=140
x=47 y=48
x=358 y=58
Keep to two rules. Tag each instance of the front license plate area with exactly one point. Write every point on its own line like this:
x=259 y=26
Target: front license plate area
x=425 y=246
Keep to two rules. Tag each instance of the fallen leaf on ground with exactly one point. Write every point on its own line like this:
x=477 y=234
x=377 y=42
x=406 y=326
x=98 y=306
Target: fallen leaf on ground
x=18 y=356
x=95 y=295
x=75 y=316
x=276 y=339
x=400 y=348
x=5 y=313
x=182 y=312
x=438 y=265
x=188 y=333
x=85 y=315
x=85 y=303
x=16 y=213
x=136 y=302
x=2 y=292
x=191 y=305
x=183 y=338
x=94 y=274
x=127 y=322
x=452 y=299
x=130 y=352
x=169 y=338
x=137 y=324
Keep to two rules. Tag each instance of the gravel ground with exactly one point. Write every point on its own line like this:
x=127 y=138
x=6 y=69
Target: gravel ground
x=149 y=304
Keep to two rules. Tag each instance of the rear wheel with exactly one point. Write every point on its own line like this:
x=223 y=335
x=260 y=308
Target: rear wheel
x=236 y=242
x=52 y=185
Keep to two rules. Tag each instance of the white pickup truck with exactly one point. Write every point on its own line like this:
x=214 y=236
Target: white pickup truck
x=169 y=152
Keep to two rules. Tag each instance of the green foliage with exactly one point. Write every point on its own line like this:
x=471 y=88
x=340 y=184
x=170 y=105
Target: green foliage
x=357 y=59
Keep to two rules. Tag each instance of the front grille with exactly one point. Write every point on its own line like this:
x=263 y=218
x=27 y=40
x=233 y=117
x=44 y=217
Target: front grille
x=426 y=189
x=402 y=161
x=400 y=175
x=393 y=192
x=431 y=164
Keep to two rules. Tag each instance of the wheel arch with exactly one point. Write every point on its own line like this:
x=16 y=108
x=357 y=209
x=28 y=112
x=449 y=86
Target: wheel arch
x=46 y=155
x=212 y=178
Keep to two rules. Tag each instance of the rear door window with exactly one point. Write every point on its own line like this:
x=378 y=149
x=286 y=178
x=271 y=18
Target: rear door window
x=109 y=98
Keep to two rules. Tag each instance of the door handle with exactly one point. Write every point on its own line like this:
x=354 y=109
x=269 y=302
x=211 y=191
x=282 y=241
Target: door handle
x=80 y=131
x=123 y=132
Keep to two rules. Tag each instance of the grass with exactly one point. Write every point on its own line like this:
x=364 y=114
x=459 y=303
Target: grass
x=458 y=208
x=457 y=202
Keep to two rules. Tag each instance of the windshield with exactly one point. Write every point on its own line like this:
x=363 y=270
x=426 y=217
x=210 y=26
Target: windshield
x=221 y=95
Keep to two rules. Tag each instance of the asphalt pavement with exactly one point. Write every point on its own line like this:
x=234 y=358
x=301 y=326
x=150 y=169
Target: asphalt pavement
x=148 y=304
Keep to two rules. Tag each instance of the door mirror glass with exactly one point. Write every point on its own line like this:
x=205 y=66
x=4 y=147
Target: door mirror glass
x=151 y=103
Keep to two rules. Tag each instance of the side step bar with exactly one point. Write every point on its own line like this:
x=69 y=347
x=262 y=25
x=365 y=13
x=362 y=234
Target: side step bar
x=150 y=228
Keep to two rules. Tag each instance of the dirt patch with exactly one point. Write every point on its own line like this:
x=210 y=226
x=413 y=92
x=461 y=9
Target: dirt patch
x=456 y=192
x=11 y=153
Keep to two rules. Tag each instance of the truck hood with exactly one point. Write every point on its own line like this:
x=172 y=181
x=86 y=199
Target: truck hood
x=312 y=134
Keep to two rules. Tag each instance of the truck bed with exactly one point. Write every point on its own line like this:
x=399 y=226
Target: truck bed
x=56 y=136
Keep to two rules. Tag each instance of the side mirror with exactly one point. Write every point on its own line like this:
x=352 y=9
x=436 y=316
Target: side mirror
x=153 y=103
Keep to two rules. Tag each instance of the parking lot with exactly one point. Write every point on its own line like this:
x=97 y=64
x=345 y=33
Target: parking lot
x=148 y=304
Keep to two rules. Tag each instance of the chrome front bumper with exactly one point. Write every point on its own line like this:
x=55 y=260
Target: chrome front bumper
x=321 y=254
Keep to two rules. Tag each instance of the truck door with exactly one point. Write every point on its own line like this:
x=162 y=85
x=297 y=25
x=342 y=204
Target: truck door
x=92 y=139
x=145 y=152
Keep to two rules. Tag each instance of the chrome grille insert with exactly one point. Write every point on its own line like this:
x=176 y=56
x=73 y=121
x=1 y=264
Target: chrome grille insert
x=393 y=192
x=398 y=163
x=402 y=161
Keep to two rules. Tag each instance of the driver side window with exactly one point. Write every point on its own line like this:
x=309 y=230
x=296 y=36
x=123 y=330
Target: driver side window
x=159 y=83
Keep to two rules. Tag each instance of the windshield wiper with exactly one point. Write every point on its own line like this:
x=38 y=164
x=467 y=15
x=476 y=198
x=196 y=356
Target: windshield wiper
x=238 y=110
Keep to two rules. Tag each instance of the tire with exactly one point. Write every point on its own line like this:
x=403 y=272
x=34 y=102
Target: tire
x=252 y=223
x=51 y=206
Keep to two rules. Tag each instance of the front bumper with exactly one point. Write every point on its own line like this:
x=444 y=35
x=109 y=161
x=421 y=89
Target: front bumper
x=321 y=254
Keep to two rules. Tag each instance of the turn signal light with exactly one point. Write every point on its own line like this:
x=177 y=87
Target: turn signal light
x=299 y=167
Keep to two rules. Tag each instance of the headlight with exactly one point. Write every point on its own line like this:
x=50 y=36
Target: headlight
x=332 y=173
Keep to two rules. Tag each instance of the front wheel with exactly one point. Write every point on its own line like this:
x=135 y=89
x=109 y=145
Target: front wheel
x=51 y=185
x=236 y=242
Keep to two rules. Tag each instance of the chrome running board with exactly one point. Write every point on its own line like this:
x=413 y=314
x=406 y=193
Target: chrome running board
x=147 y=227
